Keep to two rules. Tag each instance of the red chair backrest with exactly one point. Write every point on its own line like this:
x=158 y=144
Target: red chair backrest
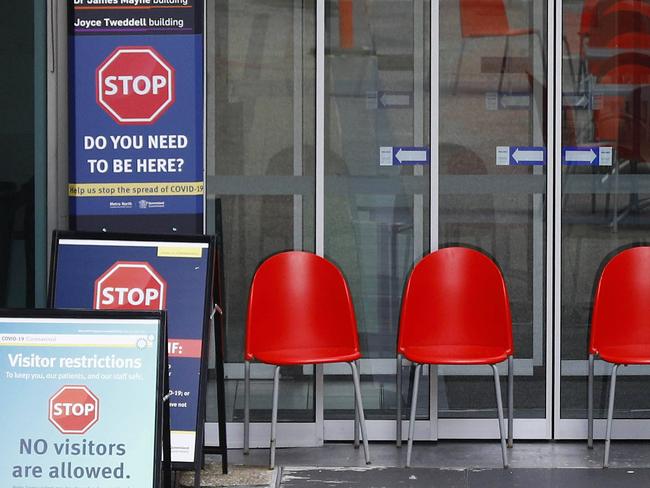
x=640 y=7
x=621 y=313
x=483 y=18
x=586 y=19
x=609 y=119
x=299 y=300
x=609 y=31
x=455 y=296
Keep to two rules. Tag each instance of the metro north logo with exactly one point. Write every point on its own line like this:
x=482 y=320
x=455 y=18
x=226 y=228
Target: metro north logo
x=135 y=85
x=130 y=286
x=74 y=409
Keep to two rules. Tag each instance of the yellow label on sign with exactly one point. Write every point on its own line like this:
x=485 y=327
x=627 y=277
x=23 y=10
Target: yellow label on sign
x=179 y=252
x=117 y=190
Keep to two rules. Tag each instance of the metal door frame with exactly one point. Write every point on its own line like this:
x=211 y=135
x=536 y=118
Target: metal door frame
x=466 y=428
x=572 y=429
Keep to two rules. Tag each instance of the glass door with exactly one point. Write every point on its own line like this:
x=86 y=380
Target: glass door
x=260 y=180
x=335 y=127
x=604 y=187
x=376 y=190
x=493 y=195
x=484 y=184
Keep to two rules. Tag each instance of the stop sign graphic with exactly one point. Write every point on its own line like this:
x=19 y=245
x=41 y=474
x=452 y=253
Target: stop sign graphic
x=135 y=85
x=130 y=285
x=74 y=409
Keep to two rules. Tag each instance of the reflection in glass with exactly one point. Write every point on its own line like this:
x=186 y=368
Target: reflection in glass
x=261 y=169
x=493 y=89
x=605 y=115
x=376 y=216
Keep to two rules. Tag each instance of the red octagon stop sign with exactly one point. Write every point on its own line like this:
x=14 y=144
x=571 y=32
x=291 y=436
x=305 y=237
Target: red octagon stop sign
x=130 y=286
x=74 y=409
x=135 y=85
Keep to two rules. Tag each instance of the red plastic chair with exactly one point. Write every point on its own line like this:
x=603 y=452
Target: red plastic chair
x=618 y=32
x=455 y=310
x=300 y=312
x=605 y=23
x=488 y=18
x=627 y=69
x=620 y=324
x=617 y=121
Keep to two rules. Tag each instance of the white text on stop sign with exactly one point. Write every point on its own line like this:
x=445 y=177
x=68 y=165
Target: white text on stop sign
x=140 y=85
x=74 y=409
x=131 y=296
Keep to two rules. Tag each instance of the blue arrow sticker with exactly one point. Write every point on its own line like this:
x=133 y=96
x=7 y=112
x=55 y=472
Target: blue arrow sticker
x=521 y=155
x=389 y=99
x=403 y=155
x=587 y=156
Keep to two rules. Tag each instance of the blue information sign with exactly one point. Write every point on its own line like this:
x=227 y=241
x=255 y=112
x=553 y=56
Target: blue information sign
x=136 y=114
x=403 y=155
x=144 y=273
x=587 y=156
x=521 y=155
x=81 y=400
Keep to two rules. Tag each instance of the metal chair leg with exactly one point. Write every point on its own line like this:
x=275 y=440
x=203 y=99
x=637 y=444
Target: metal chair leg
x=541 y=48
x=362 y=418
x=247 y=394
x=497 y=388
x=503 y=65
x=398 y=416
x=610 y=414
x=460 y=60
x=572 y=72
x=356 y=417
x=590 y=403
x=511 y=399
x=414 y=401
x=274 y=414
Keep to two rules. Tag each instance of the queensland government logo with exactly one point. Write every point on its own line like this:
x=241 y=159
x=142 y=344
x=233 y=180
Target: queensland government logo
x=148 y=204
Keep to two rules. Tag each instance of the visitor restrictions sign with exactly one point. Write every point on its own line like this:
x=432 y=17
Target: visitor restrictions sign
x=72 y=382
x=136 y=115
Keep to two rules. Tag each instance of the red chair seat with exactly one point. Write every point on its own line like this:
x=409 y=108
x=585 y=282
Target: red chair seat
x=311 y=355
x=627 y=354
x=456 y=354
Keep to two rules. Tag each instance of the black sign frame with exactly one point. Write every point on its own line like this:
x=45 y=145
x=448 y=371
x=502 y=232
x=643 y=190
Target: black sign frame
x=159 y=468
x=208 y=304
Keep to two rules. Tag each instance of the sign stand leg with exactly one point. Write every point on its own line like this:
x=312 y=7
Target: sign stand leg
x=221 y=406
x=167 y=441
x=197 y=474
x=222 y=448
x=166 y=419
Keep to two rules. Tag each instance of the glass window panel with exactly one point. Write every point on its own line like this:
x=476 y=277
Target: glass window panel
x=606 y=102
x=261 y=169
x=376 y=217
x=493 y=89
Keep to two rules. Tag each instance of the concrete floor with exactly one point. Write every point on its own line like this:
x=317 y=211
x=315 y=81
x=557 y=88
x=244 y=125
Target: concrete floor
x=458 y=455
x=448 y=478
x=445 y=464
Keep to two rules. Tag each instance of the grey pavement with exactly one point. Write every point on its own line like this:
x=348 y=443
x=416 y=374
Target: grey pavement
x=445 y=464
